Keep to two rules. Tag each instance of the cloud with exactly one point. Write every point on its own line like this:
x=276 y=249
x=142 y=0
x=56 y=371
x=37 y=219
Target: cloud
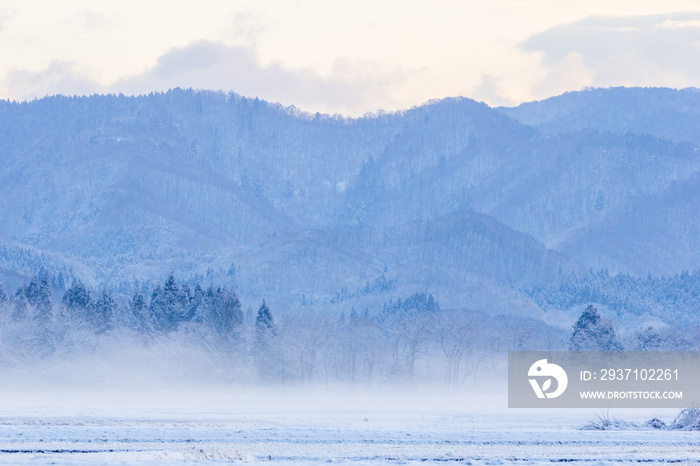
x=91 y=19
x=490 y=91
x=59 y=77
x=350 y=87
x=659 y=50
x=6 y=14
x=244 y=28
x=568 y=73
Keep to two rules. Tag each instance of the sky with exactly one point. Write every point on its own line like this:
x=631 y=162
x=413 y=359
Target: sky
x=347 y=56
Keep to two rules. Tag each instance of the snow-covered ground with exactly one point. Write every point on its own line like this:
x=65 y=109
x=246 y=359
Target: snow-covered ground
x=211 y=426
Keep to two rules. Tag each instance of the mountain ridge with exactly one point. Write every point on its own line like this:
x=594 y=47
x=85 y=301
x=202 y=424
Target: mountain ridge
x=304 y=204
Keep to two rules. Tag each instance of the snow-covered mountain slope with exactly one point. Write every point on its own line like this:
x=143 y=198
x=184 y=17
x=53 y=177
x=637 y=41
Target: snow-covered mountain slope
x=665 y=113
x=439 y=197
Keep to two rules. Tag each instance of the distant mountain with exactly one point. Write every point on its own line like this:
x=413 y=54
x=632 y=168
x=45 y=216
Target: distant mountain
x=645 y=215
x=468 y=202
x=665 y=113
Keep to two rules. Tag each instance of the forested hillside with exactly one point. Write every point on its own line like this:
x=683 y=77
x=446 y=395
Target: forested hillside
x=495 y=211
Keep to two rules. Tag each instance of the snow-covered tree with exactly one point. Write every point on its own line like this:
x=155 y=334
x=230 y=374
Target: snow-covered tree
x=266 y=348
x=593 y=333
x=44 y=309
x=455 y=335
x=661 y=339
x=104 y=312
x=77 y=301
x=142 y=317
x=20 y=306
x=407 y=326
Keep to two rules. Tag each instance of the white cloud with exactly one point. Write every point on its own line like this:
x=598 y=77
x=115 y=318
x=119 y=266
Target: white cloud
x=7 y=12
x=649 y=50
x=244 y=28
x=351 y=87
x=92 y=19
x=490 y=91
x=569 y=73
x=670 y=23
x=59 y=77
x=349 y=56
x=629 y=68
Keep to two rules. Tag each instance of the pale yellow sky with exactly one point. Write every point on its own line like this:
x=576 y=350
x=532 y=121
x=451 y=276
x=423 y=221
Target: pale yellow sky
x=347 y=56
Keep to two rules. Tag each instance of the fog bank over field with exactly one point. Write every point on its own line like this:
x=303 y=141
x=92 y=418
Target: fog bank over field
x=212 y=400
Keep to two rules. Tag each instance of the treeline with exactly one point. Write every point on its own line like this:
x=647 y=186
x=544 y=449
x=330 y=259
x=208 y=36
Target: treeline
x=404 y=340
x=673 y=299
x=593 y=332
x=43 y=325
x=31 y=261
x=380 y=284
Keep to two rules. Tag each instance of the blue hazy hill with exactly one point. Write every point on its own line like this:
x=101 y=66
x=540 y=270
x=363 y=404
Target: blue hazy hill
x=469 y=202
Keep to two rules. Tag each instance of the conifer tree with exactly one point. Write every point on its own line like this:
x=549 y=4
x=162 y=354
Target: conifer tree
x=265 y=333
x=196 y=303
x=77 y=301
x=44 y=313
x=145 y=323
x=20 y=311
x=31 y=291
x=264 y=323
x=593 y=333
x=105 y=309
x=157 y=308
x=172 y=304
x=227 y=313
x=353 y=317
